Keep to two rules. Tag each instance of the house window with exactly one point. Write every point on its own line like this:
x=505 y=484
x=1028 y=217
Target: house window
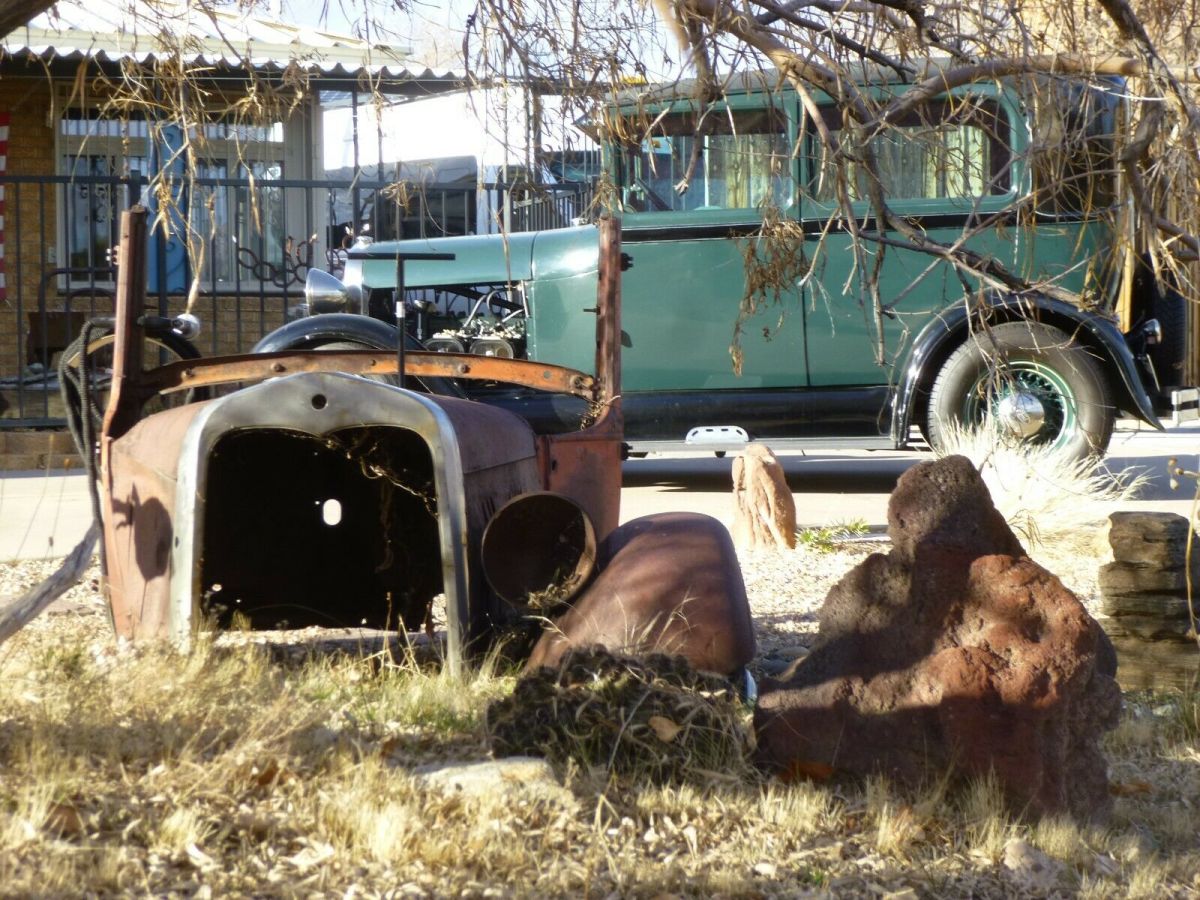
x=242 y=227
x=96 y=153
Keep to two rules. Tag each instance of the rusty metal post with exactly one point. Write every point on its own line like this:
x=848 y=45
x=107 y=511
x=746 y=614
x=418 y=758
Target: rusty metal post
x=586 y=465
x=124 y=399
x=124 y=396
x=608 y=324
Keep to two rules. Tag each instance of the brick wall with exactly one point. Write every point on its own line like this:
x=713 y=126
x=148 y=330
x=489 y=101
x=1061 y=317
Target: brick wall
x=31 y=238
x=29 y=209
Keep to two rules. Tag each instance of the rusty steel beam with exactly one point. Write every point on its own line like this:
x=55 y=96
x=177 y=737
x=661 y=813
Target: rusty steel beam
x=193 y=373
x=586 y=465
x=126 y=393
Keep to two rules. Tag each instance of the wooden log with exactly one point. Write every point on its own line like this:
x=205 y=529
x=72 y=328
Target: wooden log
x=25 y=608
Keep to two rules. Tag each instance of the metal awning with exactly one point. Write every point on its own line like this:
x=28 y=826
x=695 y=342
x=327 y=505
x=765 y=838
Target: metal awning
x=226 y=43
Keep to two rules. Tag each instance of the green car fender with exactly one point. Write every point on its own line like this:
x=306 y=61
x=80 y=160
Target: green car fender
x=950 y=328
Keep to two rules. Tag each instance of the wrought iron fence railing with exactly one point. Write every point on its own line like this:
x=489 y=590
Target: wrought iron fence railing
x=251 y=241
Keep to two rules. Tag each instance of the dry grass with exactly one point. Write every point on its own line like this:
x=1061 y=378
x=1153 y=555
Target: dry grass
x=1044 y=496
x=149 y=771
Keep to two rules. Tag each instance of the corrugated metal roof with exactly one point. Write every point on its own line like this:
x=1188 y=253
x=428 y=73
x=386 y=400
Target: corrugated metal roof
x=147 y=31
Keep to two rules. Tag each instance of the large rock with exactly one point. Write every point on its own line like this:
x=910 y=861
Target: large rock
x=764 y=510
x=955 y=652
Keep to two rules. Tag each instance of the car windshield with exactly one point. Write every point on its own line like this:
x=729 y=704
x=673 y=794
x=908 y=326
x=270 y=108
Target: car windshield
x=720 y=159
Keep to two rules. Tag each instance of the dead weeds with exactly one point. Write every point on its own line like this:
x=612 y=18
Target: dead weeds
x=224 y=772
x=649 y=720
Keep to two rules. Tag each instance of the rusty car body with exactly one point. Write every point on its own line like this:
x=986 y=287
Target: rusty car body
x=312 y=490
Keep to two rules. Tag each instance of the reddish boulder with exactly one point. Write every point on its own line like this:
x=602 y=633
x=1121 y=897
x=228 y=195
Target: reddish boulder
x=953 y=652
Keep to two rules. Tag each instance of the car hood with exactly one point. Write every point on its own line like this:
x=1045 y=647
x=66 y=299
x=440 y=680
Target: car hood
x=488 y=258
x=478 y=259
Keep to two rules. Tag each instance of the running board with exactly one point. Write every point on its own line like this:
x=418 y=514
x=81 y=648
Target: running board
x=880 y=442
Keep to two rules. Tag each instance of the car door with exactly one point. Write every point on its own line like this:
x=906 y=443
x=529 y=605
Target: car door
x=694 y=182
x=947 y=167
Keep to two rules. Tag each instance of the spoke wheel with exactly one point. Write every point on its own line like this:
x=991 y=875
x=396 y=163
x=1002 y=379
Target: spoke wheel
x=1028 y=400
x=1032 y=382
x=156 y=351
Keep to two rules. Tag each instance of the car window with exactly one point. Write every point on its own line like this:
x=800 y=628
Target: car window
x=955 y=147
x=1074 y=151
x=720 y=159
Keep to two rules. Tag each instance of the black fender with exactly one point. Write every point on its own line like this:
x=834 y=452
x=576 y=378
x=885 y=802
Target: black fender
x=938 y=339
x=313 y=331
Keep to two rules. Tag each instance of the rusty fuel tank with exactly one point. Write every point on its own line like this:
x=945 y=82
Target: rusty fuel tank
x=667 y=583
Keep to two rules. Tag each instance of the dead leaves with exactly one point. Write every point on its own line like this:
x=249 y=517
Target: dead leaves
x=664 y=729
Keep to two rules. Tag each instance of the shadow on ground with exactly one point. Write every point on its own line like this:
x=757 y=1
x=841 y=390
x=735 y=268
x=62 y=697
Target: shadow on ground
x=857 y=474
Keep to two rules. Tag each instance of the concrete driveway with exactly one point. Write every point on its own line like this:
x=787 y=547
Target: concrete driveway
x=46 y=514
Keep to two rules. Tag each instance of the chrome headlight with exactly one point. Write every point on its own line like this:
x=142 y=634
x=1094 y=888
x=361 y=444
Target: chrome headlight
x=323 y=293
x=443 y=342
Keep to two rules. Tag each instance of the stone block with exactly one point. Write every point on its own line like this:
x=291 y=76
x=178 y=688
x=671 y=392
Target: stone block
x=1162 y=606
x=1118 y=578
x=1149 y=628
x=1148 y=538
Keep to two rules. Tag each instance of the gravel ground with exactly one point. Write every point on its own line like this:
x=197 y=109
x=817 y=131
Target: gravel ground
x=786 y=589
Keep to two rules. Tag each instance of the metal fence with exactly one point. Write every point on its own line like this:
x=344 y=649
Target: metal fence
x=252 y=241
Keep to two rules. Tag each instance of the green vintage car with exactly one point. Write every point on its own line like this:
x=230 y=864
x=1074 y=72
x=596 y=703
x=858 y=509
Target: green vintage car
x=736 y=332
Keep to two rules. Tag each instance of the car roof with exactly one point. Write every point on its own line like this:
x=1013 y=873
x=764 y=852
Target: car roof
x=767 y=80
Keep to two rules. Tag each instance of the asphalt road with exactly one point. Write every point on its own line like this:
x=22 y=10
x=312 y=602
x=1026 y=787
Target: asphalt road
x=44 y=515
x=831 y=488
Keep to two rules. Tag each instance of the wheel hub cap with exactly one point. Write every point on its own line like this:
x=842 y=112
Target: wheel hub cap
x=1021 y=413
